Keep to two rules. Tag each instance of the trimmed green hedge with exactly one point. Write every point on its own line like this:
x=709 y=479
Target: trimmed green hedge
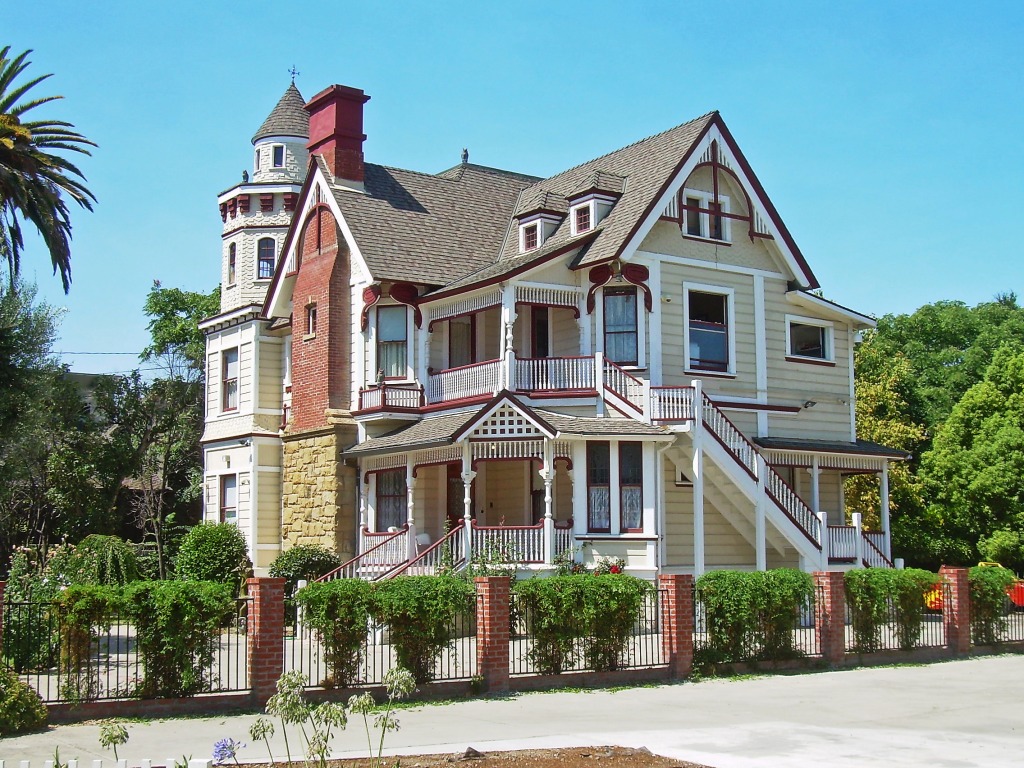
x=988 y=587
x=339 y=612
x=876 y=595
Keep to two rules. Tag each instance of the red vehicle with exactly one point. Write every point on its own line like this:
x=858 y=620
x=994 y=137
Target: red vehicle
x=933 y=597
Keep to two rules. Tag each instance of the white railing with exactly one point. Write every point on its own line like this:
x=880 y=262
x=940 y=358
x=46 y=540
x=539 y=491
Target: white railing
x=464 y=381
x=386 y=396
x=563 y=539
x=447 y=552
x=380 y=553
x=627 y=387
x=508 y=544
x=874 y=556
x=877 y=538
x=729 y=436
x=793 y=506
x=555 y=373
x=671 y=403
x=842 y=542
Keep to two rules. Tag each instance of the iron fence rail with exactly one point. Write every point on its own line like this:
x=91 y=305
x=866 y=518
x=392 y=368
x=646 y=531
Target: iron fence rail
x=896 y=629
x=108 y=664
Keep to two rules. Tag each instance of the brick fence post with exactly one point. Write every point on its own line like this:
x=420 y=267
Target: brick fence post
x=677 y=622
x=266 y=636
x=492 y=630
x=830 y=615
x=956 y=611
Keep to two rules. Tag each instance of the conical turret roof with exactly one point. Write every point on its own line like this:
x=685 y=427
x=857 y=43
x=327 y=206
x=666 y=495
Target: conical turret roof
x=288 y=118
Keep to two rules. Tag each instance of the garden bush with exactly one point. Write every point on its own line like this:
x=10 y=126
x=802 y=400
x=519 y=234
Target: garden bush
x=82 y=609
x=420 y=612
x=214 y=552
x=873 y=595
x=30 y=640
x=303 y=561
x=103 y=560
x=580 y=614
x=176 y=624
x=21 y=709
x=988 y=587
x=339 y=612
x=750 y=615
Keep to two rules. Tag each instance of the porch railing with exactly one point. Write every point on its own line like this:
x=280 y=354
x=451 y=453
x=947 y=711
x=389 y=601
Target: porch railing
x=671 y=403
x=628 y=387
x=544 y=374
x=388 y=396
x=465 y=381
x=447 y=552
x=877 y=538
x=842 y=542
x=508 y=543
x=874 y=557
x=381 y=553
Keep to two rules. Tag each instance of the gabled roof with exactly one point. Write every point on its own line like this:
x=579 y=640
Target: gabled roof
x=288 y=118
x=428 y=228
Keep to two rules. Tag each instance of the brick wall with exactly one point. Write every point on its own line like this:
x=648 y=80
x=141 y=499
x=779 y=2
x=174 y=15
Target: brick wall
x=266 y=636
x=830 y=615
x=321 y=363
x=956 y=610
x=492 y=633
x=677 y=622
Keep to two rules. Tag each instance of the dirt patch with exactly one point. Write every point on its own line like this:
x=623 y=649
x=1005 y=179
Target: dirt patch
x=575 y=757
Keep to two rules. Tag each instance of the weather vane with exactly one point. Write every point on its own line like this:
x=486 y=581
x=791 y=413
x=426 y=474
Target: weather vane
x=293 y=72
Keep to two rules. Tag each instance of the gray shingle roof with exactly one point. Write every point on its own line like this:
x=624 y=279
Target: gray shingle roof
x=430 y=228
x=587 y=425
x=862 y=447
x=288 y=118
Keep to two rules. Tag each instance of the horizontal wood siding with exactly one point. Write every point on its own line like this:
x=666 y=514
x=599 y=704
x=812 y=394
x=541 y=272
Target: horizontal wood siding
x=508 y=495
x=565 y=333
x=271 y=374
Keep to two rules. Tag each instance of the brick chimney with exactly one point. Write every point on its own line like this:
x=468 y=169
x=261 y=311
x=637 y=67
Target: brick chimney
x=336 y=130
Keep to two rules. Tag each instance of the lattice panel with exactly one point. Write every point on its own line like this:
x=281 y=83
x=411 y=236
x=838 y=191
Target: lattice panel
x=506 y=422
x=509 y=449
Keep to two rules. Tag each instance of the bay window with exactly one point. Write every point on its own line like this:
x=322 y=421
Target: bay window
x=229 y=379
x=392 y=342
x=229 y=498
x=620 y=326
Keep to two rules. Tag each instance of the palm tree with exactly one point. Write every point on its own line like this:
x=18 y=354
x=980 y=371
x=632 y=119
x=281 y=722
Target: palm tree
x=34 y=182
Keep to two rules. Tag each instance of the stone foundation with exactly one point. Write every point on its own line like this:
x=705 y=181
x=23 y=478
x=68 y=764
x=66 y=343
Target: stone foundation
x=319 y=493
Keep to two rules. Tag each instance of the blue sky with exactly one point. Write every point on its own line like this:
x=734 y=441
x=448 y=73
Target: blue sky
x=888 y=135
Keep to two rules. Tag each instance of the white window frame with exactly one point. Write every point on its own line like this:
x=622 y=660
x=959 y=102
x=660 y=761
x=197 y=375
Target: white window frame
x=641 y=327
x=730 y=294
x=284 y=155
x=256 y=159
x=221 y=518
x=830 y=347
x=409 y=346
x=273 y=261
x=706 y=198
x=522 y=235
x=572 y=217
x=224 y=380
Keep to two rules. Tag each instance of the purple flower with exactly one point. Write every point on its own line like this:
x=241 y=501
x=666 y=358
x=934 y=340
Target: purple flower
x=225 y=750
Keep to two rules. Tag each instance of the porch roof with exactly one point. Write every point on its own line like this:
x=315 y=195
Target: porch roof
x=858 y=448
x=441 y=430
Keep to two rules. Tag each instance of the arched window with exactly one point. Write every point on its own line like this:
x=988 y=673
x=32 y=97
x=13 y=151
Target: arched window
x=265 y=258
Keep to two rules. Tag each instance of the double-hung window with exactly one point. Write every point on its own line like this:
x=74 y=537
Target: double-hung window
x=620 y=326
x=392 y=341
x=229 y=499
x=631 y=487
x=599 y=488
x=229 y=379
x=392 y=499
x=232 y=251
x=265 y=258
x=709 y=331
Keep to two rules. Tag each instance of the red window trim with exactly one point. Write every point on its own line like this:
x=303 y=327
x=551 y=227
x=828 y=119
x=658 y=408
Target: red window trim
x=591 y=484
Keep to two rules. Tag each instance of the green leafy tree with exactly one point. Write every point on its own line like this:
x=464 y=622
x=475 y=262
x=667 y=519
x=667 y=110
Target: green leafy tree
x=214 y=552
x=35 y=181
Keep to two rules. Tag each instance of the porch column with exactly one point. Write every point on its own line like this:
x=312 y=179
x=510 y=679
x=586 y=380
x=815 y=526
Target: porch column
x=599 y=381
x=815 y=475
x=842 y=499
x=698 y=485
x=508 y=320
x=884 y=494
x=410 y=515
x=363 y=521
x=547 y=474
x=468 y=476
x=858 y=542
x=423 y=351
x=761 y=549
x=825 y=540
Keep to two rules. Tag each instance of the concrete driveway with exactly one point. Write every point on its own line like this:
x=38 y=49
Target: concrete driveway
x=960 y=713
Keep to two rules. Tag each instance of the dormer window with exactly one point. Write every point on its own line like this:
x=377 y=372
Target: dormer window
x=702 y=215
x=530 y=237
x=279 y=156
x=581 y=219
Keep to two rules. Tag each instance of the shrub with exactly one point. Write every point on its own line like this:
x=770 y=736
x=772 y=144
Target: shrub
x=339 y=612
x=872 y=594
x=30 y=639
x=303 y=561
x=214 y=552
x=21 y=709
x=104 y=560
x=988 y=587
x=176 y=624
x=80 y=610
x=750 y=615
x=592 y=614
x=420 y=612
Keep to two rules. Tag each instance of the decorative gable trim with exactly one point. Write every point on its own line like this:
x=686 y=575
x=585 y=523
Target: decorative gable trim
x=505 y=417
x=635 y=274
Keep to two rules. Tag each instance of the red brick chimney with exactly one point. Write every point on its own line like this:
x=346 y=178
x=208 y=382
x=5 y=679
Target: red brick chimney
x=336 y=130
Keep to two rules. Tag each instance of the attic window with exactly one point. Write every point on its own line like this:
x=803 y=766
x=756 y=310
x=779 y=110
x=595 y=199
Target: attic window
x=279 y=156
x=530 y=237
x=702 y=215
x=581 y=219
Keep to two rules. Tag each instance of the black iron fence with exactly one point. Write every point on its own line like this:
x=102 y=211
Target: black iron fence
x=895 y=627
x=531 y=653
x=63 y=664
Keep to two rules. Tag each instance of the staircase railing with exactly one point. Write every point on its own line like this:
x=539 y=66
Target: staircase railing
x=873 y=556
x=448 y=551
x=671 y=403
x=509 y=543
x=745 y=454
x=629 y=388
x=378 y=559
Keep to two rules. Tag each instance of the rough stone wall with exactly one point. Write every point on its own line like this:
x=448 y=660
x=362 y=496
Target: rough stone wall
x=319 y=494
x=295 y=159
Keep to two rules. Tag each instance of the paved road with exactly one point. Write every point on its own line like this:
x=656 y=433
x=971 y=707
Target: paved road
x=962 y=713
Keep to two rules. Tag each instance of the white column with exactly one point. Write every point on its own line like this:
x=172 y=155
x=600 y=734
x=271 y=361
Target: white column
x=599 y=381
x=423 y=350
x=825 y=542
x=363 y=522
x=842 y=499
x=410 y=516
x=884 y=493
x=547 y=474
x=660 y=510
x=859 y=540
x=815 y=475
x=579 y=488
x=508 y=319
x=698 y=485
x=468 y=475
x=760 y=534
x=646 y=389
x=760 y=354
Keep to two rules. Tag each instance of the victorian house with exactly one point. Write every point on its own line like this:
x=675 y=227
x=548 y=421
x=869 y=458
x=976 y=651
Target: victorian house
x=627 y=359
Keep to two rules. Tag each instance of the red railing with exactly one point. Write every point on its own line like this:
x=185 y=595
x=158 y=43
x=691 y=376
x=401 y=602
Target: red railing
x=627 y=387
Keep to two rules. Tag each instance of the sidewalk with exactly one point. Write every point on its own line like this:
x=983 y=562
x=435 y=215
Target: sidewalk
x=962 y=713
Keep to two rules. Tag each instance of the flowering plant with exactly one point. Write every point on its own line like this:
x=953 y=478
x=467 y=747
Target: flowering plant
x=606 y=565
